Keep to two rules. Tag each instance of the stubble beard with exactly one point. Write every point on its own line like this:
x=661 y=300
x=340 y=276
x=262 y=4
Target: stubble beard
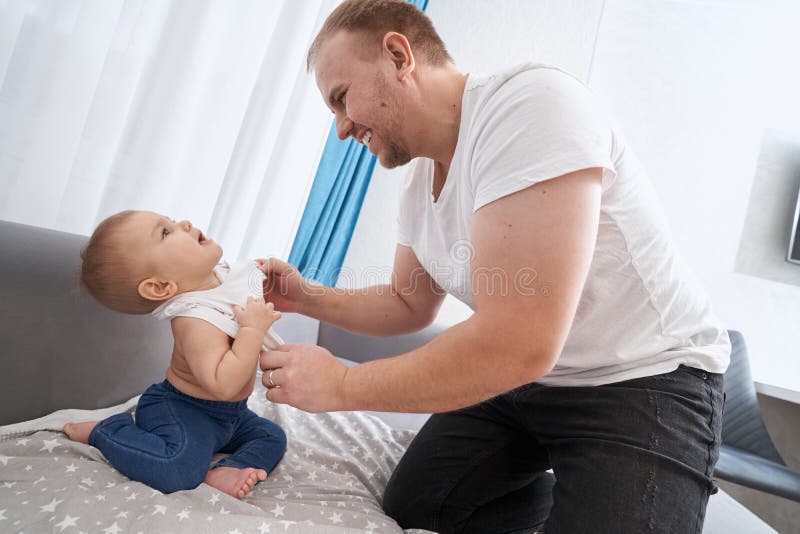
x=396 y=154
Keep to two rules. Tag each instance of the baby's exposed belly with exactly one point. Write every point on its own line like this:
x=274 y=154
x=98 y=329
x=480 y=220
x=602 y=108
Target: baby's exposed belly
x=180 y=376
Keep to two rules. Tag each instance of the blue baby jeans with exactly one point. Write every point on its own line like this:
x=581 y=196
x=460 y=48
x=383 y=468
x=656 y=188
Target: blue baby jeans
x=170 y=445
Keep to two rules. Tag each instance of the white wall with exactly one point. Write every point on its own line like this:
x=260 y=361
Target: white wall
x=694 y=85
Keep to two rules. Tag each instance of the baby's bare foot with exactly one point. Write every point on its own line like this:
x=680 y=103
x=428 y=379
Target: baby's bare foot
x=80 y=431
x=234 y=481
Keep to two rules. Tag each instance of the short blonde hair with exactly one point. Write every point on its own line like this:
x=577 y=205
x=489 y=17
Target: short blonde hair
x=374 y=19
x=107 y=270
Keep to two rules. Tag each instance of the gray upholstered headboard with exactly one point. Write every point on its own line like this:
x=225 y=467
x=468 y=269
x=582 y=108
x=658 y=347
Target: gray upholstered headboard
x=60 y=348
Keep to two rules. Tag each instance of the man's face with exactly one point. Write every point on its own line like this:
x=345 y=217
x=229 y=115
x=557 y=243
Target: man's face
x=160 y=247
x=360 y=87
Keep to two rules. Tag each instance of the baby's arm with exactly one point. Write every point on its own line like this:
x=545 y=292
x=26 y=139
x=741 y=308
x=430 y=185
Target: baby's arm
x=220 y=367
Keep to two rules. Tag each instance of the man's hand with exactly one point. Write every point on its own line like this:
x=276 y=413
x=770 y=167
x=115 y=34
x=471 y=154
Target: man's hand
x=305 y=376
x=284 y=285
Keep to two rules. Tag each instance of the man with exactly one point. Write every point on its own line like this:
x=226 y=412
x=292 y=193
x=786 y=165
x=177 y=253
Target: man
x=590 y=351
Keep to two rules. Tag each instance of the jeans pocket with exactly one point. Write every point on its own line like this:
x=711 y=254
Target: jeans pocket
x=699 y=373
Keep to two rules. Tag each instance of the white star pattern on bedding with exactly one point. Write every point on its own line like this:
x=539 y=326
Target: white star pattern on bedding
x=331 y=480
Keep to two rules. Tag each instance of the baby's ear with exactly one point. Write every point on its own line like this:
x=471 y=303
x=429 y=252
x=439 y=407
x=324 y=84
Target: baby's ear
x=157 y=290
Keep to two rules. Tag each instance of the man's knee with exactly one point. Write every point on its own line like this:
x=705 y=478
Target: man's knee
x=409 y=506
x=423 y=511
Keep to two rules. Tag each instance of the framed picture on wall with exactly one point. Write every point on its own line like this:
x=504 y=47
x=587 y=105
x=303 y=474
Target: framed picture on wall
x=794 y=242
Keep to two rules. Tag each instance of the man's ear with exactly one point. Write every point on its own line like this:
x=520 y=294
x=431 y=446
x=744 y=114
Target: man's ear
x=397 y=48
x=158 y=290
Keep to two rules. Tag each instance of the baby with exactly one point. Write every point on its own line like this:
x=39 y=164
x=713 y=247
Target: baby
x=141 y=262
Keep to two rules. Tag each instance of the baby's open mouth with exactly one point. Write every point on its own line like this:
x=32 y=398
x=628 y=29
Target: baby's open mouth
x=201 y=238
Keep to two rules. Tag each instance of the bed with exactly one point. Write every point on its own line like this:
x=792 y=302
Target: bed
x=330 y=480
x=66 y=358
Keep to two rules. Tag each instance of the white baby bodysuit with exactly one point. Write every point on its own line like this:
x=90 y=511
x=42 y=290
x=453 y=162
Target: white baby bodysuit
x=239 y=280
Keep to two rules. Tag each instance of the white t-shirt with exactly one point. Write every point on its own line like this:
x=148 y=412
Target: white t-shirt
x=641 y=312
x=239 y=280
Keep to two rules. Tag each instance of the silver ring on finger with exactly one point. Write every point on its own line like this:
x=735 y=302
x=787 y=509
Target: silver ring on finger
x=269 y=379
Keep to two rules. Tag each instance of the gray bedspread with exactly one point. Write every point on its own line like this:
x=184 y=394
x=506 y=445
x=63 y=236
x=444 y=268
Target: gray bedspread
x=330 y=481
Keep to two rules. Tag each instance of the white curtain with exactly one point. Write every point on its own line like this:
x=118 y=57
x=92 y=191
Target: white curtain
x=198 y=109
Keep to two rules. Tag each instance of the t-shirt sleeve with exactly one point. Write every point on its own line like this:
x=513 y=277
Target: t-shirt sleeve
x=222 y=320
x=540 y=124
x=402 y=232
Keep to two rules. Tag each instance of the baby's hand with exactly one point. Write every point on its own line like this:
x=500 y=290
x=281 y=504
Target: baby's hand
x=257 y=314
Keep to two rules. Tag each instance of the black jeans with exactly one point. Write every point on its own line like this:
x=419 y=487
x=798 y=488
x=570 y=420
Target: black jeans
x=630 y=457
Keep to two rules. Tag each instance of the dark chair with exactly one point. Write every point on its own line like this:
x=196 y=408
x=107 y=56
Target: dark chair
x=747 y=455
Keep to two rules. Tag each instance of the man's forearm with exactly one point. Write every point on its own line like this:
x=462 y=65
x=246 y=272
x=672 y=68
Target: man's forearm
x=461 y=367
x=373 y=311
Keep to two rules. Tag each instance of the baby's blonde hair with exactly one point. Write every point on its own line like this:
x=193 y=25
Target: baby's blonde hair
x=107 y=271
